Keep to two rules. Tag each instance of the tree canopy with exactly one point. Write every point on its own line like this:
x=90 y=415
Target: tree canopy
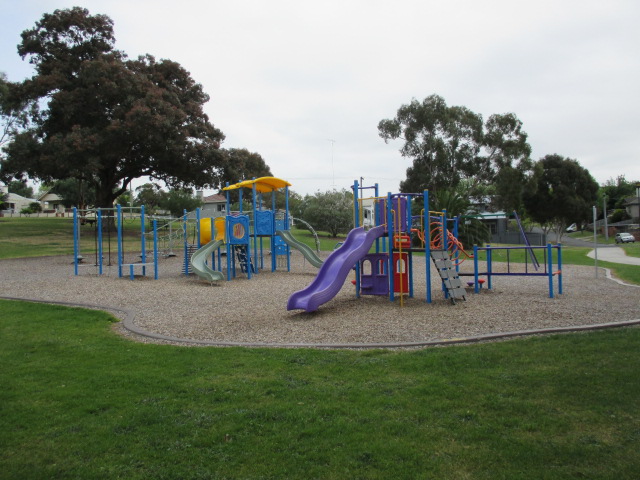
x=175 y=201
x=99 y=117
x=20 y=187
x=450 y=144
x=564 y=193
x=330 y=211
x=241 y=164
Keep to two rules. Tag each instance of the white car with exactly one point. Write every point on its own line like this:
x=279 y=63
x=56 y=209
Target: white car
x=572 y=228
x=625 y=238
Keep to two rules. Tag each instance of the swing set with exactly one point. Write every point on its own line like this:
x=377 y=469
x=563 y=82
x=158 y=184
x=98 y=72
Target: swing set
x=100 y=215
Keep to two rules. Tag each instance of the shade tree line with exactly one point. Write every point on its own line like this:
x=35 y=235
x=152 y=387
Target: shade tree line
x=91 y=120
x=455 y=153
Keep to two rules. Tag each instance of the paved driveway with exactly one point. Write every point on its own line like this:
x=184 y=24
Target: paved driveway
x=614 y=255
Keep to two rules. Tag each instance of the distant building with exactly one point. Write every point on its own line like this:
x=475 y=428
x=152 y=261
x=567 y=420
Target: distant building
x=632 y=205
x=51 y=202
x=15 y=202
x=214 y=206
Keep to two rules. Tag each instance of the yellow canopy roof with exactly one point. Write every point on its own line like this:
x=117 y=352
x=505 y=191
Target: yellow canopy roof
x=263 y=184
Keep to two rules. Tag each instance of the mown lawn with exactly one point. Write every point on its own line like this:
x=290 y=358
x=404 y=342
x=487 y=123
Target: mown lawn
x=77 y=401
x=40 y=236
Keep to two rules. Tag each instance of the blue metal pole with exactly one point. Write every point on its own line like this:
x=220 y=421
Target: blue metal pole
x=356 y=209
x=76 y=243
x=255 y=224
x=286 y=225
x=445 y=231
x=489 y=265
x=408 y=215
x=476 y=288
x=186 y=242
x=550 y=269
x=390 y=237
x=273 y=232
x=99 y=214
x=410 y=263
x=155 y=249
x=427 y=243
x=445 y=245
x=198 y=243
x=120 y=252
x=356 y=223
x=230 y=251
x=375 y=214
x=559 y=269
x=143 y=257
x=455 y=234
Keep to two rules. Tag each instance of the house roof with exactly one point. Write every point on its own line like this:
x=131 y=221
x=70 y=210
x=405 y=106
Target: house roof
x=49 y=196
x=14 y=197
x=215 y=198
x=262 y=184
x=631 y=201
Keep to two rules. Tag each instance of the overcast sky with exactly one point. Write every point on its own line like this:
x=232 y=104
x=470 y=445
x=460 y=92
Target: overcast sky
x=304 y=84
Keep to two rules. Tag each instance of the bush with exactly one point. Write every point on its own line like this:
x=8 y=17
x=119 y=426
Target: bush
x=619 y=215
x=330 y=211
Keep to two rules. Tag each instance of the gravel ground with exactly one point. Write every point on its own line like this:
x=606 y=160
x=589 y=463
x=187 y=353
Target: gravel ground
x=254 y=311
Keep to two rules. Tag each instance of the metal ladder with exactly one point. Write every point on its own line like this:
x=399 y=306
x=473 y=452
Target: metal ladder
x=450 y=278
x=186 y=268
x=241 y=255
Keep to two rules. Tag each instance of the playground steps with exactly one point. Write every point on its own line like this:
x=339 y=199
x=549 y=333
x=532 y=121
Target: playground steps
x=448 y=274
x=186 y=267
x=241 y=255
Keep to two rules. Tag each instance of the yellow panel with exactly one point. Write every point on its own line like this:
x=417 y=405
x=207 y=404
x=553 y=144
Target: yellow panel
x=205 y=231
x=220 y=226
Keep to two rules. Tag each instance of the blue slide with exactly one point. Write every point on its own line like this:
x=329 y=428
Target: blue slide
x=335 y=269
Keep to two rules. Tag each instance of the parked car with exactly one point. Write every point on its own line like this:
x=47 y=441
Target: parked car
x=572 y=228
x=625 y=238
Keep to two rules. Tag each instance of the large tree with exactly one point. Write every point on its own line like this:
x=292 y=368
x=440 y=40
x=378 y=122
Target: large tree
x=449 y=144
x=13 y=114
x=20 y=187
x=105 y=119
x=241 y=164
x=564 y=193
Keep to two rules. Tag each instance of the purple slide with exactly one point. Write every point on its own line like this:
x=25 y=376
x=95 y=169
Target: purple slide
x=334 y=270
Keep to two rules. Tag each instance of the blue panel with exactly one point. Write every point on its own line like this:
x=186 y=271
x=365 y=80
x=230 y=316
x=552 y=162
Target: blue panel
x=264 y=222
x=238 y=230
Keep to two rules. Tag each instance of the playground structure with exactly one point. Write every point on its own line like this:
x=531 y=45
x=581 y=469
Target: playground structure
x=238 y=237
x=242 y=235
x=96 y=219
x=388 y=270
x=380 y=248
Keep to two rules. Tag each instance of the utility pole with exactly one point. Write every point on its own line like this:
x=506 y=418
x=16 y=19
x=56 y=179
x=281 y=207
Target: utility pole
x=606 y=227
x=595 y=238
x=333 y=172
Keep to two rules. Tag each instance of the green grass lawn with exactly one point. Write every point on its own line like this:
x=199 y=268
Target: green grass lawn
x=77 y=401
x=327 y=243
x=39 y=236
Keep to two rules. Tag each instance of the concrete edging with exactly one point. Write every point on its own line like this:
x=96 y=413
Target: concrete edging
x=128 y=317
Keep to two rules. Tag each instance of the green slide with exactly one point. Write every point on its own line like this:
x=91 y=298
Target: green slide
x=199 y=258
x=309 y=254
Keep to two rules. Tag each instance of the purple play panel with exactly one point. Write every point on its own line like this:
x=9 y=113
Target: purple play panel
x=334 y=270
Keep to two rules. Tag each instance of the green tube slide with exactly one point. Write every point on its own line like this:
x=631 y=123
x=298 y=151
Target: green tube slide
x=199 y=258
x=309 y=254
